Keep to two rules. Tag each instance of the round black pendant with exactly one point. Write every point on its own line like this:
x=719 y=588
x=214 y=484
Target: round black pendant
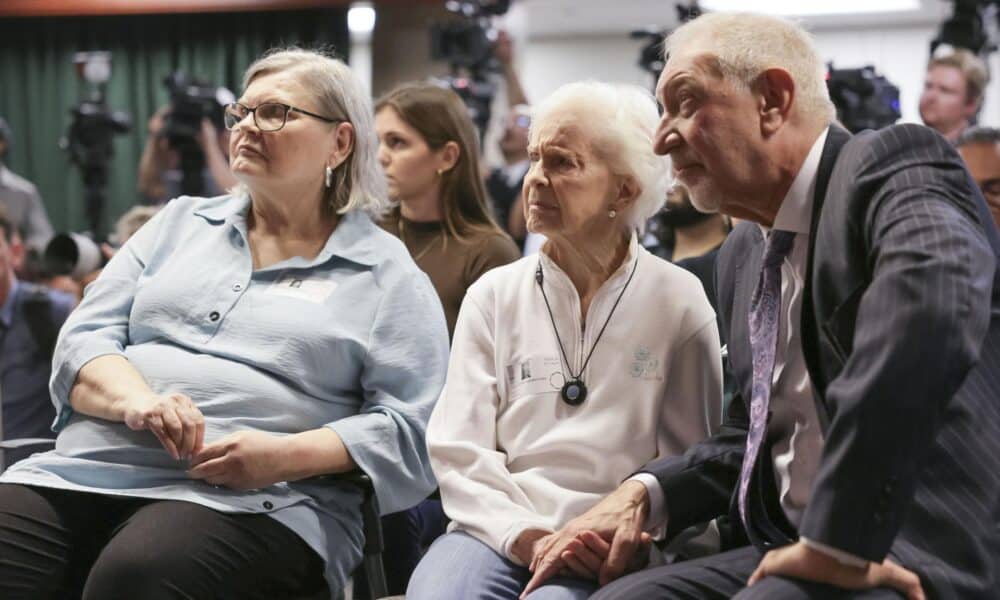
x=574 y=392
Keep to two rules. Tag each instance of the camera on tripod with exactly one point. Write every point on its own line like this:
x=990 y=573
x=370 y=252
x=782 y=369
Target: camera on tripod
x=94 y=124
x=91 y=133
x=466 y=44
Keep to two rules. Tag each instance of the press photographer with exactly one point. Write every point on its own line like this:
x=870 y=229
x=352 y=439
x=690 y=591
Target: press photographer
x=957 y=73
x=187 y=151
x=20 y=198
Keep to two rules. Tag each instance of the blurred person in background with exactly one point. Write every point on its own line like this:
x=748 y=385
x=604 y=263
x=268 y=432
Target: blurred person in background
x=233 y=350
x=30 y=318
x=688 y=237
x=428 y=149
x=21 y=200
x=572 y=367
x=504 y=182
x=130 y=222
x=979 y=147
x=953 y=92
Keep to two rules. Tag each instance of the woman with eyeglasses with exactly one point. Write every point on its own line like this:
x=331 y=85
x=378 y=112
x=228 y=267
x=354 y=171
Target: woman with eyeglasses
x=235 y=349
x=572 y=368
x=429 y=150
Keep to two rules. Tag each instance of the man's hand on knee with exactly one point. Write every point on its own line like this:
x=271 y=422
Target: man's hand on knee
x=802 y=562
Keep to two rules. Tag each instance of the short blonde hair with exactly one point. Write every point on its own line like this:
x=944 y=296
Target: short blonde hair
x=358 y=182
x=747 y=44
x=972 y=68
x=621 y=124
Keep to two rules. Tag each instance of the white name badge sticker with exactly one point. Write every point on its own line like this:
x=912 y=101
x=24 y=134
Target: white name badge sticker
x=534 y=375
x=311 y=290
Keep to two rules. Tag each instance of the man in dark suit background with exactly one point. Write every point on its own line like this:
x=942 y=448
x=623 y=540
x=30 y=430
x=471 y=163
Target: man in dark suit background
x=861 y=305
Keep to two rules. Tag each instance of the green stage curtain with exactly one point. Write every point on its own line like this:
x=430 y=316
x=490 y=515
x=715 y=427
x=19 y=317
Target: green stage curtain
x=39 y=86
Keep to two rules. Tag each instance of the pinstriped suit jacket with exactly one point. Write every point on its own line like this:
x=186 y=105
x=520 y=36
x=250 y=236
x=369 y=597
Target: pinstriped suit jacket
x=901 y=335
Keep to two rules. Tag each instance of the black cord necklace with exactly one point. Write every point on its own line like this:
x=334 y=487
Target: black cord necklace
x=574 y=391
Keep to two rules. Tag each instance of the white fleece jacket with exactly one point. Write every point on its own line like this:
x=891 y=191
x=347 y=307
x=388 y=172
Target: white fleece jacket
x=508 y=453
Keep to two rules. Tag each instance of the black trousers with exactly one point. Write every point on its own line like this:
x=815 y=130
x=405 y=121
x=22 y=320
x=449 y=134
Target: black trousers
x=63 y=544
x=724 y=576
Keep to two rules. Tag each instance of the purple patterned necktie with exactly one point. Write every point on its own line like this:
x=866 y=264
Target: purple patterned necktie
x=764 y=309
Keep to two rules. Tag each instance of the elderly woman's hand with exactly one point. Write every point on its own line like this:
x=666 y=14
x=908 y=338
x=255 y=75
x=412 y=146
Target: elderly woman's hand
x=172 y=418
x=528 y=543
x=245 y=460
x=618 y=519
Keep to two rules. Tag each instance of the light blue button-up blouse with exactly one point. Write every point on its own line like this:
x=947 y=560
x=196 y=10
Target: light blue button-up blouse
x=354 y=340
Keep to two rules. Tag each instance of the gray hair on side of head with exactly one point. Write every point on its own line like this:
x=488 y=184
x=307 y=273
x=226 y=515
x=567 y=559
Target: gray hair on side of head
x=747 y=44
x=978 y=135
x=358 y=182
x=621 y=122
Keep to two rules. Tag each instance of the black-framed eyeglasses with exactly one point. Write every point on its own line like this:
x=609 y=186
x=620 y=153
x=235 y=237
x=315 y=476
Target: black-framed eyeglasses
x=268 y=116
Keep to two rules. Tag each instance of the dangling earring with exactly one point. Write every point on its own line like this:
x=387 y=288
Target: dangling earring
x=612 y=213
x=329 y=177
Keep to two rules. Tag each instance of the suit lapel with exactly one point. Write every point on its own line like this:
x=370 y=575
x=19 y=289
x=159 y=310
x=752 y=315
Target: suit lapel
x=741 y=279
x=835 y=140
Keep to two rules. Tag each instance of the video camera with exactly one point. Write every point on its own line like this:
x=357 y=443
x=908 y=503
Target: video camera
x=90 y=135
x=965 y=27
x=864 y=99
x=191 y=101
x=651 y=54
x=466 y=44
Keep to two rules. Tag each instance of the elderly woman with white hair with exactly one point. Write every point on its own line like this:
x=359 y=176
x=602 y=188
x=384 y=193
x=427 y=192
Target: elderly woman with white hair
x=570 y=369
x=233 y=350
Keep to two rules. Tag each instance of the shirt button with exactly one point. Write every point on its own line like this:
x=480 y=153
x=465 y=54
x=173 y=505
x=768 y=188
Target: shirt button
x=268 y=505
x=213 y=316
x=237 y=287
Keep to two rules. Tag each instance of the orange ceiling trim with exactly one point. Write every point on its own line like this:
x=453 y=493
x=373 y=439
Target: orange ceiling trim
x=64 y=8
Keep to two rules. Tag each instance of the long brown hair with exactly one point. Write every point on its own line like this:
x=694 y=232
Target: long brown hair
x=439 y=116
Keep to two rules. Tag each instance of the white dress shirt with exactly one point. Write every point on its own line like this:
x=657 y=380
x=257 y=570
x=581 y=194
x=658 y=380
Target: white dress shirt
x=794 y=426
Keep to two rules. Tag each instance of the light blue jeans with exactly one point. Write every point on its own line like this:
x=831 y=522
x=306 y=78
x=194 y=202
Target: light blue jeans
x=460 y=567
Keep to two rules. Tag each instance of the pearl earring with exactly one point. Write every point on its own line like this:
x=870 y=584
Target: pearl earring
x=329 y=177
x=612 y=214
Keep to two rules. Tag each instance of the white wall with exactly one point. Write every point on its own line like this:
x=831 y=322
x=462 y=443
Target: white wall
x=547 y=63
x=898 y=53
x=559 y=41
